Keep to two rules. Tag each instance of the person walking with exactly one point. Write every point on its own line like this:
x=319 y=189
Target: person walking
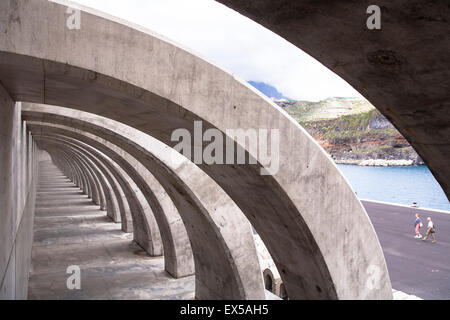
x=417 y=225
x=431 y=230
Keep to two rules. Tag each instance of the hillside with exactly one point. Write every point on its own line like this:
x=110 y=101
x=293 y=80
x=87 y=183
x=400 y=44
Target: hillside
x=330 y=108
x=351 y=130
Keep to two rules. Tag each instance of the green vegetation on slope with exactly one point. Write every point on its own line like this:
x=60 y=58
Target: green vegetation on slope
x=331 y=108
x=350 y=129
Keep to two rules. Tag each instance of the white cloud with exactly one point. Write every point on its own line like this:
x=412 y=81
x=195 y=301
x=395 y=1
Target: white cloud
x=234 y=42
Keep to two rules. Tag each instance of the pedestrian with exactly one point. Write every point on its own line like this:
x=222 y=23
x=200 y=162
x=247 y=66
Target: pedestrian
x=431 y=230
x=417 y=225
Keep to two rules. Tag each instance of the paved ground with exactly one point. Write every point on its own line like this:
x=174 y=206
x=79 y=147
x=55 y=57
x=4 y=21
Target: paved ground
x=69 y=230
x=415 y=267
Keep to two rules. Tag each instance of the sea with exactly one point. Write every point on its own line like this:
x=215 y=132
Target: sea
x=401 y=185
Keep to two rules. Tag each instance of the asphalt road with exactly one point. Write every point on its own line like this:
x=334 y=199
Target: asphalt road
x=415 y=267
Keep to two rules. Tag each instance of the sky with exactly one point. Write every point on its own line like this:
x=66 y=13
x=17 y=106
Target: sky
x=233 y=42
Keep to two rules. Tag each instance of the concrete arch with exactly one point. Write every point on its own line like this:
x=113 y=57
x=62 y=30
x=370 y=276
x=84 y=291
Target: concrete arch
x=66 y=166
x=107 y=196
x=177 y=252
x=144 y=234
x=119 y=204
x=84 y=181
x=123 y=214
x=81 y=178
x=129 y=201
x=66 y=169
x=77 y=147
x=403 y=68
x=82 y=167
x=96 y=192
x=268 y=280
x=234 y=267
x=95 y=125
x=319 y=254
x=69 y=170
x=101 y=196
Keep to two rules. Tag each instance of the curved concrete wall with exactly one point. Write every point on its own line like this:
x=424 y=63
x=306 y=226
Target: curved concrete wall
x=212 y=258
x=178 y=261
x=118 y=205
x=319 y=253
x=119 y=183
x=146 y=232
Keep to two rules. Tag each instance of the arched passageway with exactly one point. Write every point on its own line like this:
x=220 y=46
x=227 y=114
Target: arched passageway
x=268 y=282
x=320 y=254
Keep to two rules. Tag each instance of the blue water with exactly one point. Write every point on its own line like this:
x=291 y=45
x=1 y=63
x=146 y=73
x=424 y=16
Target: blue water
x=403 y=185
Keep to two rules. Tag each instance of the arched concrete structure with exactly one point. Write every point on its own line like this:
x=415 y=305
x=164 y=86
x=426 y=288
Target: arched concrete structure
x=268 y=280
x=213 y=257
x=109 y=200
x=121 y=210
x=320 y=254
x=145 y=149
x=92 y=182
x=126 y=216
x=274 y=280
x=178 y=258
x=178 y=263
x=146 y=232
x=403 y=69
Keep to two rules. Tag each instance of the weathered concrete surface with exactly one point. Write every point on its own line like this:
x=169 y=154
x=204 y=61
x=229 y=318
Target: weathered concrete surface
x=403 y=69
x=117 y=205
x=178 y=260
x=122 y=198
x=158 y=159
x=177 y=250
x=231 y=261
x=318 y=252
x=7 y=227
x=17 y=196
x=94 y=192
x=145 y=230
x=112 y=266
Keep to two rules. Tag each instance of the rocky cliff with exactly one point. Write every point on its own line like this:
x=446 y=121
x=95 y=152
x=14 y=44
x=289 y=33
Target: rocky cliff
x=352 y=131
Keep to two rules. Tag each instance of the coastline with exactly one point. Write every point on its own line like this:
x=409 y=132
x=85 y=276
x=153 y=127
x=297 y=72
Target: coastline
x=417 y=208
x=377 y=162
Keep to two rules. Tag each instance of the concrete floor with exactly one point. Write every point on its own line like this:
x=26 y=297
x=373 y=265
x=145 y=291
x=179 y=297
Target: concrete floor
x=70 y=230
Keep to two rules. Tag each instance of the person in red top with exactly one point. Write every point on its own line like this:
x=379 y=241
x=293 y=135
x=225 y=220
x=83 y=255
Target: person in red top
x=417 y=226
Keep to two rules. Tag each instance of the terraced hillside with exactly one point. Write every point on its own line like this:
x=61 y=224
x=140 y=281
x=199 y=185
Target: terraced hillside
x=351 y=130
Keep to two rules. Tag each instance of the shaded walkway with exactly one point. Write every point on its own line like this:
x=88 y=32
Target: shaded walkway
x=70 y=230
